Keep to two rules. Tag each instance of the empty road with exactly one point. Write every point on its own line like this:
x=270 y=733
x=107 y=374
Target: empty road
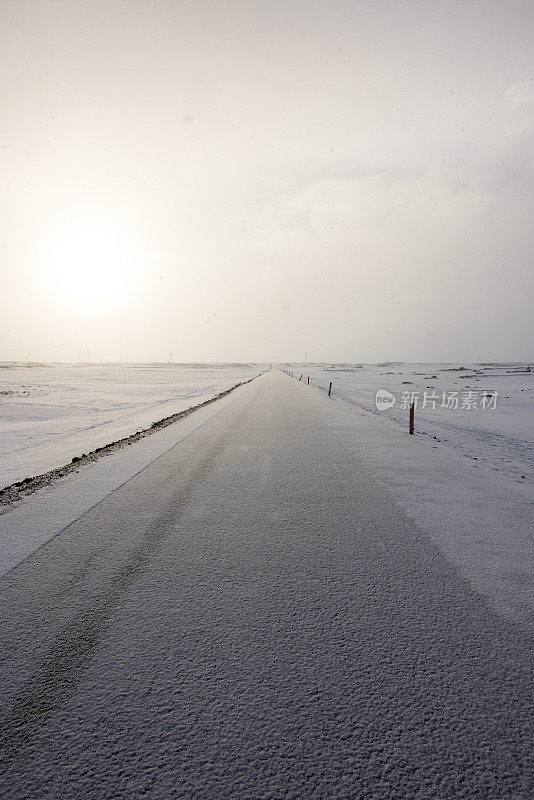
x=252 y=616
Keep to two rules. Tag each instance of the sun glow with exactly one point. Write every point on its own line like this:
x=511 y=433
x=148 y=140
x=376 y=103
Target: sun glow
x=90 y=271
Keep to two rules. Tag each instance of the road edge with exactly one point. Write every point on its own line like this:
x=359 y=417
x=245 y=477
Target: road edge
x=16 y=491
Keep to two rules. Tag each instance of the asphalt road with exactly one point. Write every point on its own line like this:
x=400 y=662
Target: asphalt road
x=253 y=617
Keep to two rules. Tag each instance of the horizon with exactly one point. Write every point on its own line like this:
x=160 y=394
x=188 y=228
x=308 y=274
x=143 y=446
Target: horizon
x=274 y=364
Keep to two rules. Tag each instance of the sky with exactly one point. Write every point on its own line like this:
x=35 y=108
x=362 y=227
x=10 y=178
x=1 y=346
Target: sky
x=253 y=181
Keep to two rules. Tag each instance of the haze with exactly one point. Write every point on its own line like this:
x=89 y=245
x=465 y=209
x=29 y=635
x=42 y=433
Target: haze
x=229 y=181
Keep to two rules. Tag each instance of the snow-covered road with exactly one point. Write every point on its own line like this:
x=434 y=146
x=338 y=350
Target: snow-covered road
x=253 y=616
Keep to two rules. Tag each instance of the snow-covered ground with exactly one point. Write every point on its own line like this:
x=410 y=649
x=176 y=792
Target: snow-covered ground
x=251 y=615
x=495 y=426
x=50 y=413
x=467 y=476
x=30 y=523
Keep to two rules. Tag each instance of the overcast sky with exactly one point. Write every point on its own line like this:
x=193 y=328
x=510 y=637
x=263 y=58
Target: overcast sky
x=250 y=180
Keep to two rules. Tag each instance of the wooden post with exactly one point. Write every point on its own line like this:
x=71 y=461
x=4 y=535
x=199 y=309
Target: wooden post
x=308 y=380
x=412 y=417
x=330 y=389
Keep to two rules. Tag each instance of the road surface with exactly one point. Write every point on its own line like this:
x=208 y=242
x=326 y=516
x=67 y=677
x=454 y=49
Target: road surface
x=252 y=616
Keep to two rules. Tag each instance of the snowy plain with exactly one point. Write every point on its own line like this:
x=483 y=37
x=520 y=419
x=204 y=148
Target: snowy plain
x=495 y=426
x=466 y=476
x=50 y=413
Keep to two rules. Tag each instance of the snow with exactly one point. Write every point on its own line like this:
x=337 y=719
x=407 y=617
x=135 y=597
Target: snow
x=471 y=488
x=51 y=413
x=37 y=519
x=501 y=439
x=465 y=477
x=254 y=616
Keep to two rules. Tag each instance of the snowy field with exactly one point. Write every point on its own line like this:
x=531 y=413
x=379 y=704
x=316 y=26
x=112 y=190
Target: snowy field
x=482 y=412
x=53 y=412
x=467 y=475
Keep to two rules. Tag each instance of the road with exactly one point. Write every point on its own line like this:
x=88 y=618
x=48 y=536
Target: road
x=252 y=616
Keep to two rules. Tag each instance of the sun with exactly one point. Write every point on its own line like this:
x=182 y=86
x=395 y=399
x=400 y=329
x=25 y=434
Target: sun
x=89 y=270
